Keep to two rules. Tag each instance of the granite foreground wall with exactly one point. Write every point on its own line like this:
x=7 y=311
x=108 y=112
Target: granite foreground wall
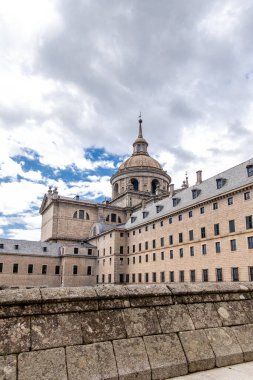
x=124 y=332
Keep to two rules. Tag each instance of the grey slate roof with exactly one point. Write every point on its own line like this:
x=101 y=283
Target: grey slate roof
x=236 y=177
x=27 y=247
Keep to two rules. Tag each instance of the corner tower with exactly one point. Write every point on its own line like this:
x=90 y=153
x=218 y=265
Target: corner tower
x=140 y=177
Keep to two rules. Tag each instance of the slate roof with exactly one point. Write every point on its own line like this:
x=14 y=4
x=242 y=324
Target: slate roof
x=27 y=247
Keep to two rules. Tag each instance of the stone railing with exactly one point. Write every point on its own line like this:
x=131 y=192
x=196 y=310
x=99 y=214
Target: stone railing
x=124 y=332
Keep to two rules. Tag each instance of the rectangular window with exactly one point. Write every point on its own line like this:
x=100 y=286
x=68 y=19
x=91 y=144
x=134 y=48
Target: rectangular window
x=217 y=247
x=154 y=256
x=57 y=269
x=191 y=251
x=249 y=222
x=128 y=249
x=146 y=228
x=180 y=237
x=153 y=243
x=250 y=242
x=191 y=235
x=133 y=248
x=1 y=267
x=170 y=220
x=219 y=277
x=231 y=226
x=204 y=249
x=246 y=195
x=122 y=234
x=230 y=201
x=133 y=232
x=181 y=276
x=1 y=245
x=203 y=232
x=235 y=274
x=146 y=277
x=88 y=270
x=181 y=252
x=154 y=277
x=133 y=260
x=89 y=251
x=162 y=255
x=171 y=254
x=250 y=170
x=146 y=257
x=161 y=223
x=113 y=218
x=146 y=245
x=139 y=259
x=233 y=245
x=153 y=226
x=215 y=206
x=44 y=269
x=75 y=269
x=15 y=268
x=180 y=217
x=202 y=210
x=172 y=276
x=16 y=246
x=192 y=275
x=162 y=241
x=81 y=214
x=139 y=247
x=127 y=278
x=139 y=277
x=251 y=273
x=121 y=249
x=205 y=275
x=162 y=276
x=30 y=268
x=121 y=278
x=216 y=228
x=133 y=277
x=171 y=239
x=110 y=250
x=190 y=214
x=103 y=278
x=75 y=251
x=109 y=278
x=44 y=249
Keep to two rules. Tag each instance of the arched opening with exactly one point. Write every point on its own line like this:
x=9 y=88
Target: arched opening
x=75 y=215
x=87 y=216
x=107 y=218
x=154 y=185
x=116 y=189
x=135 y=184
x=119 y=219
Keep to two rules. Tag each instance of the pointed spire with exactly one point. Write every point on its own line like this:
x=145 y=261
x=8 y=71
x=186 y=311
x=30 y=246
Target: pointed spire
x=140 y=127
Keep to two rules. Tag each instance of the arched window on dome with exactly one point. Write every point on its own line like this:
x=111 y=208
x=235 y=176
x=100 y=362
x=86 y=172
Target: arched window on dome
x=75 y=215
x=87 y=216
x=94 y=232
x=119 y=219
x=116 y=189
x=135 y=184
x=154 y=185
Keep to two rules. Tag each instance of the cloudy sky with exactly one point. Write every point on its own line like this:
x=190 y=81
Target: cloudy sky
x=74 y=76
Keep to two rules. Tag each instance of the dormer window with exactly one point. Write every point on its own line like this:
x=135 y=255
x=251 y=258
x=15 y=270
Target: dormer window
x=175 y=201
x=145 y=214
x=220 y=182
x=159 y=208
x=133 y=219
x=195 y=193
x=250 y=170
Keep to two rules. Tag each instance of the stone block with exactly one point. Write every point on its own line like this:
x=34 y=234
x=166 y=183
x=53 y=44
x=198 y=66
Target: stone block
x=15 y=335
x=132 y=360
x=19 y=310
x=55 y=330
x=141 y=321
x=248 y=308
x=232 y=313
x=166 y=356
x=149 y=295
x=225 y=346
x=198 y=350
x=94 y=361
x=112 y=297
x=174 y=318
x=8 y=367
x=197 y=298
x=244 y=335
x=66 y=307
x=204 y=315
x=42 y=365
x=20 y=296
x=102 y=325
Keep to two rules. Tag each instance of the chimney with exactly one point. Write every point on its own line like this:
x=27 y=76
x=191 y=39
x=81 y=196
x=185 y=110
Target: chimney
x=171 y=189
x=199 y=177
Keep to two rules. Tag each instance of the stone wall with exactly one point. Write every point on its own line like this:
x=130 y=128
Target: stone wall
x=124 y=332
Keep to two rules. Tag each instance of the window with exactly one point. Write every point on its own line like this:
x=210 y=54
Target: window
x=139 y=247
x=103 y=278
x=217 y=247
x=57 y=269
x=15 y=268
x=133 y=260
x=110 y=250
x=146 y=245
x=246 y=195
x=215 y=206
x=134 y=248
x=122 y=234
x=121 y=278
x=235 y=274
x=1 y=267
x=16 y=246
x=30 y=268
x=113 y=218
x=162 y=276
x=233 y=245
x=128 y=249
x=219 y=274
x=249 y=223
x=180 y=217
x=133 y=277
x=146 y=258
x=154 y=277
x=202 y=210
x=204 y=249
x=139 y=259
x=133 y=233
x=139 y=277
x=154 y=256
x=231 y=226
x=146 y=277
x=159 y=208
x=89 y=251
x=181 y=252
x=144 y=214
x=121 y=249
x=127 y=278
x=153 y=244
x=181 y=276
x=162 y=255
x=133 y=219
x=128 y=260
x=103 y=262
x=220 y=182
x=44 y=269
x=109 y=278
x=162 y=241
x=44 y=249
x=192 y=275
x=250 y=242
x=203 y=232
x=75 y=251
x=88 y=270
x=205 y=275
x=216 y=229
x=171 y=254
x=1 y=245
x=146 y=228
x=170 y=220
x=175 y=201
x=74 y=269
x=180 y=237
x=250 y=170
x=191 y=251
x=230 y=201
x=171 y=239
x=81 y=214
x=190 y=214
x=139 y=230
x=172 y=276
x=251 y=273
x=153 y=226
x=195 y=193
x=191 y=235
x=161 y=223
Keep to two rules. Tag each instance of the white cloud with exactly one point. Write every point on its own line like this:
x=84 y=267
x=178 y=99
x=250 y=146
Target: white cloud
x=33 y=234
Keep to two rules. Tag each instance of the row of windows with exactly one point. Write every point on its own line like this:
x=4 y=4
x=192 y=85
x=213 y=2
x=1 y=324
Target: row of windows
x=44 y=269
x=161 y=276
x=76 y=251
x=17 y=246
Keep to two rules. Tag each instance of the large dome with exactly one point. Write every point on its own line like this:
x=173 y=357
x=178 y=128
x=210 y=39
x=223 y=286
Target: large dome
x=140 y=160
